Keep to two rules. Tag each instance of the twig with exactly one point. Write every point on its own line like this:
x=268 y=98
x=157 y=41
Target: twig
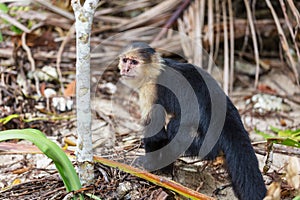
x=257 y=30
x=231 y=27
x=269 y=159
x=32 y=63
x=60 y=52
x=55 y=9
x=199 y=20
x=218 y=29
x=186 y=33
x=245 y=42
x=210 y=34
x=13 y=22
x=172 y=19
x=185 y=45
x=226 y=60
x=295 y=11
x=283 y=41
x=254 y=39
x=288 y=23
x=162 y=7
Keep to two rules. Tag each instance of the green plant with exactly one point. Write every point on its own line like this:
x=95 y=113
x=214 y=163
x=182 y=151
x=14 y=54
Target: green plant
x=5 y=9
x=51 y=150
x=285 y=137
x=296 y=198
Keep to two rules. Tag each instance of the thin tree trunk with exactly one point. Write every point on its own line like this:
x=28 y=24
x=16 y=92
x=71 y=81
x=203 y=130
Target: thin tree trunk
x=84 y=154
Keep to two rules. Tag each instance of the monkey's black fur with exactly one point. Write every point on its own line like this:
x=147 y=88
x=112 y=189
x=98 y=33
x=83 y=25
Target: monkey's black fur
x=234 y=141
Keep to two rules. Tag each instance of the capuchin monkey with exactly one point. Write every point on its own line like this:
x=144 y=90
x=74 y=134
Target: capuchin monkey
x=178 y=109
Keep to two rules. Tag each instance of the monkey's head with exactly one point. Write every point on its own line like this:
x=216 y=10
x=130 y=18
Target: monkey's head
x=139 y=64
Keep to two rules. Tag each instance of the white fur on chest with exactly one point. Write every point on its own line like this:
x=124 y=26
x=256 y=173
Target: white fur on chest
x=147 y=95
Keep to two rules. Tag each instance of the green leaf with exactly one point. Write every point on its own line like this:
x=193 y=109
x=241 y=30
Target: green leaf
x=51 y=150
x=285 y=141
x=3 y=8
x=274 y=129
x=291 y=143
x=296 y=198
x=295 y=135
x=16 y=29
x=265 y=135
x=286 y=137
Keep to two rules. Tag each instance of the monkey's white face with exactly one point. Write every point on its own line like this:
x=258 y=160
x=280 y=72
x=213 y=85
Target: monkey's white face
x=131 y=70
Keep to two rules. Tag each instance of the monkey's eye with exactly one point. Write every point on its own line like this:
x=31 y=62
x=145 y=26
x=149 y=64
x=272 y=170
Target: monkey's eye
x=124 y=60
x=135 y=62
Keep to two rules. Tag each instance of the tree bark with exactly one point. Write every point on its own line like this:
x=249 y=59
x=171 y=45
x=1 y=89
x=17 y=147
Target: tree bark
x=84 y=154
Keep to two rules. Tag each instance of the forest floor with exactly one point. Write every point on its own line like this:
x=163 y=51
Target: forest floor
x=117 y=136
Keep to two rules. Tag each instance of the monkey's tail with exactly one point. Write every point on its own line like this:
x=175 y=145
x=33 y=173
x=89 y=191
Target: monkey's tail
x=242 y=164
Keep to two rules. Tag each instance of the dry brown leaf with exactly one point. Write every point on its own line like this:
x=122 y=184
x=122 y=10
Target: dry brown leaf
x=266 y=89
x=21 y=171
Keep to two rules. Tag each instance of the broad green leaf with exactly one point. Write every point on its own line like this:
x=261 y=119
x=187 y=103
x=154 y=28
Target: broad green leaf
x=291 y=143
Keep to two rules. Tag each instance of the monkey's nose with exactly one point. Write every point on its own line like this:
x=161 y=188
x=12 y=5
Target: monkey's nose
x=125 y=70
x=127 y=67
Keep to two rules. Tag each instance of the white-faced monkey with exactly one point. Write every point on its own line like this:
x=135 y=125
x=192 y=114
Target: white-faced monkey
x=187 y=94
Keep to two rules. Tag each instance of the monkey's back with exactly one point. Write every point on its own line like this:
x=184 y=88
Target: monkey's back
x=198 y=80
x=233 y=139
x=191 y=84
